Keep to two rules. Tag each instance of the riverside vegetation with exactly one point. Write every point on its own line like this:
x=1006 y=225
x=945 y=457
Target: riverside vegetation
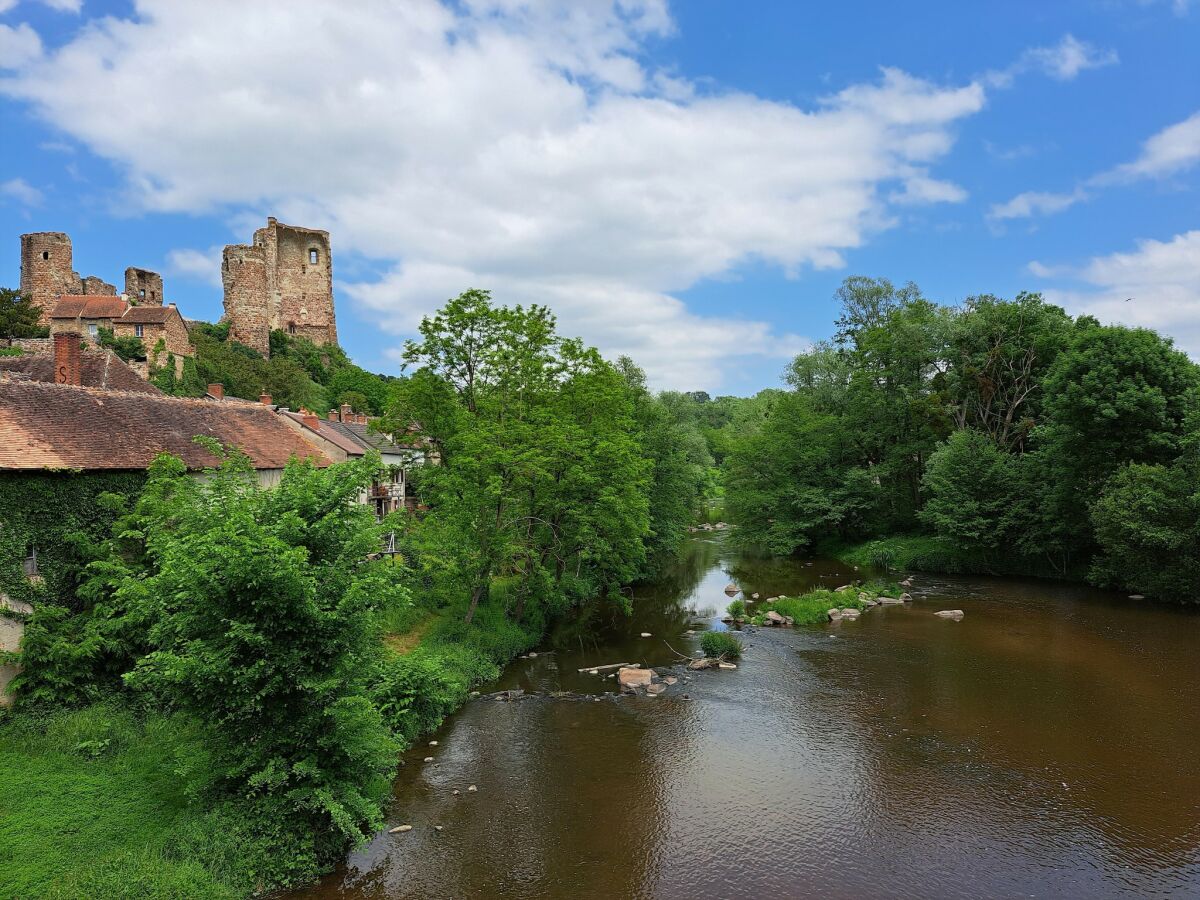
x=999 y=436
x=214 y=696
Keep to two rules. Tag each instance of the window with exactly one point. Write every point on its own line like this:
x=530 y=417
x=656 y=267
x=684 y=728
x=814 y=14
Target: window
x=137 y=329
x=142 y=293
x=45 y=254
x=93 y=329
x=30 y=565
x=313 y=256
x=291 y=327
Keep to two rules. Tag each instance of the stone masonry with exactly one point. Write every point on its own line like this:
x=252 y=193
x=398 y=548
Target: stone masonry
x=47 y=274
x=284 y=281
x=143 y=287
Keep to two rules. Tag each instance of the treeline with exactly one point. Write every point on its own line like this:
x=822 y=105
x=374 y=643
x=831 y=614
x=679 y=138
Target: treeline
x=256 y=656
x=1019 y=438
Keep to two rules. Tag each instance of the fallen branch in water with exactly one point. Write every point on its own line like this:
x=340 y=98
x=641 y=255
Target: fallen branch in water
x=611 y=666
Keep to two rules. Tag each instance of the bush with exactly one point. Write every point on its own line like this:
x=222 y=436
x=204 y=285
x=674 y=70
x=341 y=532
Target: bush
x=718 y=644
x=737 y=608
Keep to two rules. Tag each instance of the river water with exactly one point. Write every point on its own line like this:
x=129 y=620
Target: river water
x=1045 y=746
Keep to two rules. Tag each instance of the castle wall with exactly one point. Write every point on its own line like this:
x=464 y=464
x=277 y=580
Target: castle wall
x=94 y=286
x=145 y=288
x=247 y=296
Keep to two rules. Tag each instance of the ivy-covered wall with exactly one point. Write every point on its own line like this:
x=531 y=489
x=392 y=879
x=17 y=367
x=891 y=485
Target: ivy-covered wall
x=46 y=510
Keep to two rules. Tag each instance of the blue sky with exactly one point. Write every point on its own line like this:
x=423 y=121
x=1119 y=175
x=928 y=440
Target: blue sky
x=687 y=183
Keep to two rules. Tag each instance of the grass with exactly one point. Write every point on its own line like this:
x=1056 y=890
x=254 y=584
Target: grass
x=100 y=803
x=720 y=644
x=813 y=608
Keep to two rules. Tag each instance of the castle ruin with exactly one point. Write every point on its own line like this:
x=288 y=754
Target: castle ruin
x=284 y=281
x=47 y=273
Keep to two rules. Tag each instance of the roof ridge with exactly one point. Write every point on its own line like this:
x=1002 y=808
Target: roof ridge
x=203 y=401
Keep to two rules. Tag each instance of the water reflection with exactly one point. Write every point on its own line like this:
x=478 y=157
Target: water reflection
x=1043 y=746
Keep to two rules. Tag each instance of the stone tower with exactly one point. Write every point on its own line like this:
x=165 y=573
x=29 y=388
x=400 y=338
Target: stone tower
x=46 y=272
x=143 y=287
x=284 y=281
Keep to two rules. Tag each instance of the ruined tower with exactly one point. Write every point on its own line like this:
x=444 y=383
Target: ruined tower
x=283 y=280
x=46 y=272
x=143 y=287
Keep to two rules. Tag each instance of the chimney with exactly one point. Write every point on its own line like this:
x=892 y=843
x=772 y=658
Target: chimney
x=333 y=415
x=66 y=358
x=216 y=391
x=362 y=418
x=264 y=399
x=310 y=419
x=346 y=413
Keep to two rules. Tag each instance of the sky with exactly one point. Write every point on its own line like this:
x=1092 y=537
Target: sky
x=686 y=183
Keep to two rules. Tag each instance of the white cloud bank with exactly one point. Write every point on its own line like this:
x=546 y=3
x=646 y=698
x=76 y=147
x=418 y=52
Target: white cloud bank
x=1156 y=285
x=510 y=144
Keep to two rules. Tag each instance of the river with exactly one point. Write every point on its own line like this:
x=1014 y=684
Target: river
x=1045 y=746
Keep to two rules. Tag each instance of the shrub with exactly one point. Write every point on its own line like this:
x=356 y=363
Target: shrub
x=737 y=608
x=717 y=644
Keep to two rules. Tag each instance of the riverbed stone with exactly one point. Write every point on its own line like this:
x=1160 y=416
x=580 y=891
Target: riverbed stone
x=632 y=679
x=400 y=829
x=1136 y=597
x=907 y=598
x=655 y=689
x=731 y=588
x=952 y=614
x=774 y=619
x=890 y=601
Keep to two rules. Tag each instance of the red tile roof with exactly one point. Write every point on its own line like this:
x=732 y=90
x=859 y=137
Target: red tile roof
x=56 y=426
x=324 y=428
x=71 y=306
x=97 y=369
x=149 y=314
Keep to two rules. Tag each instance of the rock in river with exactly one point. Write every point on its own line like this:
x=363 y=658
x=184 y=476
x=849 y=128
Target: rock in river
x=890 y=601
x=774 y=618
x=400 y=829
x=731 y=588
x=955 y=614
x=632 y=679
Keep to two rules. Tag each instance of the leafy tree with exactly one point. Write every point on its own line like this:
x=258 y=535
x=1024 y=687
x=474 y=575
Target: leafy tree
x=19 y=317
x=975 y=496
x=259 y=607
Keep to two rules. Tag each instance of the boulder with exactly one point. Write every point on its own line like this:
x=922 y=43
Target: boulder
x=890 y=601
x=400 y=829
x=655 y=689
x=731 y=589
x=907 y=598
x=725 y=665
x=844 y=587
x=646 y=634
x=850 y=613
x=754 y=596
x=728 y=617
x=867 y=602
x=789 y=621
x=774 y=619
x=1136 y=597
x=907 y=582
x=835 y=615
x=632 y=679
x=953 y=614
x=703 y=663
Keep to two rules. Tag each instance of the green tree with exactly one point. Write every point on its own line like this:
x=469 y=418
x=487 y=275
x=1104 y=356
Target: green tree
x=18 y=316
x=128 y=347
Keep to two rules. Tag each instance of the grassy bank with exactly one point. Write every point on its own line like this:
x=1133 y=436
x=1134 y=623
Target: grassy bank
x=925 y=553
x=110 y=801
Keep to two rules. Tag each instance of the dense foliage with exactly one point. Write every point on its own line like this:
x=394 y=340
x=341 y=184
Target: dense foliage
x=550 y=460
x=1018 y=438
x=297 y=373
x=19 y=317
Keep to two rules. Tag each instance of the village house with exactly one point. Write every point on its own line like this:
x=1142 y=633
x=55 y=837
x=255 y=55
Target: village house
x=97 y=368
x=161 y=329
x=345 y=434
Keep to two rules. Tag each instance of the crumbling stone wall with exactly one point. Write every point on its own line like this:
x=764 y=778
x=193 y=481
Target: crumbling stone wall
x=143 y=287
x=244 y=278
x=46 y=272
x=284 y=280
x=95 y=286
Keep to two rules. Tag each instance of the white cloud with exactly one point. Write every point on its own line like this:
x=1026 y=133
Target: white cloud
x=6 y=5
x=1063 y=61
x=1035 y=203
x=19 y=46
x=1156 y=285
x=518 y=145
x=72 y=6
x=201 y=265
x=21 y=191
x=1170 y=151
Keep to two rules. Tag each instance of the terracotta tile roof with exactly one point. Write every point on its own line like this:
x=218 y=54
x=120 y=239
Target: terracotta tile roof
x=149 y=315
x=324 y=428
x=56 y=426
x=371 y=440
x=70 y=306
x=97 y=369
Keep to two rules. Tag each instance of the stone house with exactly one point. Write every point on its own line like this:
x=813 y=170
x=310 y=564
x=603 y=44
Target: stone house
x=86 y=315
x=97 y=368
x=344 y=434
x=155 y=324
